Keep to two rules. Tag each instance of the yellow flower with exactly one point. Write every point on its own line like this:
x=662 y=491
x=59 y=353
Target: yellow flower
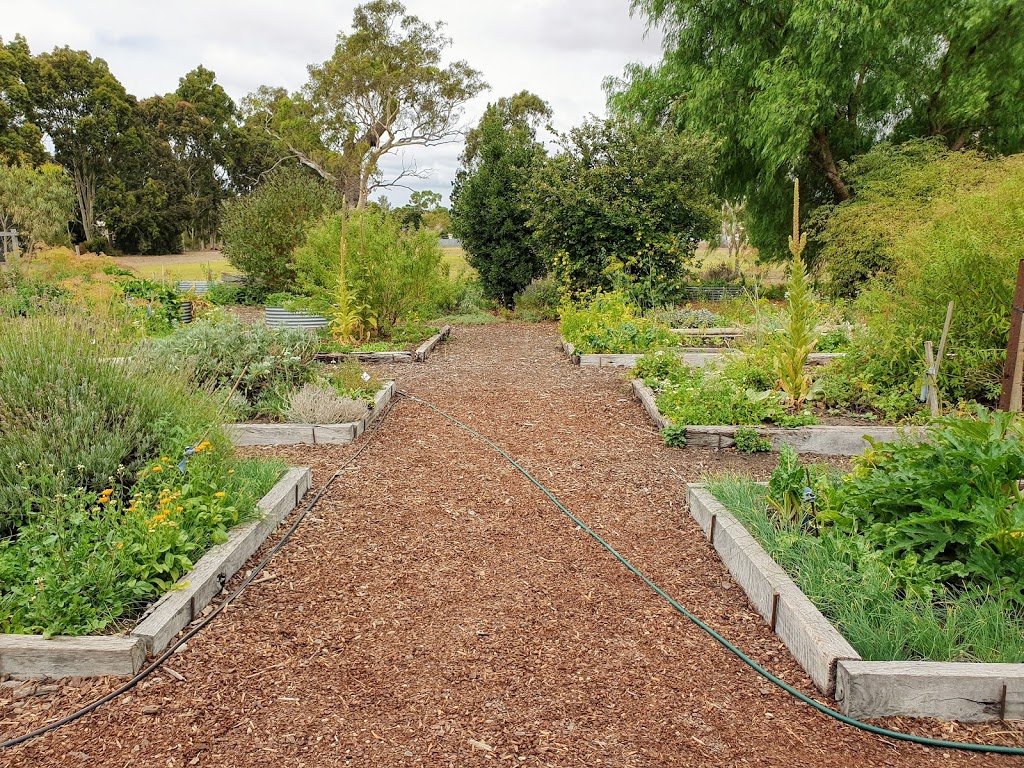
x=120 y=545
x=179 y=509
x=158 y=468
x=107 y=491
x=219 y=494
x=164 y=459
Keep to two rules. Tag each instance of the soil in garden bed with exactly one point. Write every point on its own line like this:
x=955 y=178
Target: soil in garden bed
x=436 y=610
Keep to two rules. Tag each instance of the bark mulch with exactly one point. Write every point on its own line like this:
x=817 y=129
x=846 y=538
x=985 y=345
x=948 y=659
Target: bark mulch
x=436 y=610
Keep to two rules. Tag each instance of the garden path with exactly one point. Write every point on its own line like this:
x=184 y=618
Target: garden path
x=436 y=610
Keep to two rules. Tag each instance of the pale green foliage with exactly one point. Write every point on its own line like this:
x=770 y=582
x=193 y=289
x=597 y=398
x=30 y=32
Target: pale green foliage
x=39 y=202
x=395 y=273
x=798 y=338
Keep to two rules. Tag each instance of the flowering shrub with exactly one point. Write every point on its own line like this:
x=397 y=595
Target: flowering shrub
x=114 y=479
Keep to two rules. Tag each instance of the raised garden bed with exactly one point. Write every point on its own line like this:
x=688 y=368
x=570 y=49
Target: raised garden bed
x=276 y=317
x=821 y=440
x=418 y=355
x=863 y=689
x=698 y=358
x=311 y=434
x=35 y=657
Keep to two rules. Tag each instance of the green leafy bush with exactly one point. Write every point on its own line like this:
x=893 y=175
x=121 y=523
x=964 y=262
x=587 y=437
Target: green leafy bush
x=261 y=229
x=749 y=441
x=608 y=324
x=96 y=518
x=685 y=318
x=397 y=273
x=888 y=610
x=539 y=301
x=259 y=363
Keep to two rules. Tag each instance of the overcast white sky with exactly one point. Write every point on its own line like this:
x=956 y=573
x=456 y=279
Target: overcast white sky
x=559 y=49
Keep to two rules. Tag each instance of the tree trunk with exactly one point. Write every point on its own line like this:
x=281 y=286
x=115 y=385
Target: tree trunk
x=828 y=163
x=85 y=191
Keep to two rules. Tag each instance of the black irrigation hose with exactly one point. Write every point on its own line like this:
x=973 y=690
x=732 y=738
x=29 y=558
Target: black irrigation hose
x=93 y=706
x=898 y=735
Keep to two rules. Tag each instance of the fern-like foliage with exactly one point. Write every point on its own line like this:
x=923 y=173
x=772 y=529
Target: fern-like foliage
x=798 y=338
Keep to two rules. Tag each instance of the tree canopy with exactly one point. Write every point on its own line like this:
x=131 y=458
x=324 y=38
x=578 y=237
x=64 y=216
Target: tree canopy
x=489 y=209
x=798 y=86
x=384 y=89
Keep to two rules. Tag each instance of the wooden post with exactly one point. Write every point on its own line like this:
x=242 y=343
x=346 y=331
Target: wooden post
x=1011 y=394
x=942 y=341
x=930 y=379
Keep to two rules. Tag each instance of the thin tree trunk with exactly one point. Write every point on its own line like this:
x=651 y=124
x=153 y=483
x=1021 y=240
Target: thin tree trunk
x=835 y=179
x=85 y=191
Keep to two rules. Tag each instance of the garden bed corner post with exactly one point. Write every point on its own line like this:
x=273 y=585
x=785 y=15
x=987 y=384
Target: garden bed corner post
x=1010 y=399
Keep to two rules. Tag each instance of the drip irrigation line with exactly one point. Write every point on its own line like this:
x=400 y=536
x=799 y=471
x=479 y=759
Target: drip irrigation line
x=817 y=705
x=170 y=651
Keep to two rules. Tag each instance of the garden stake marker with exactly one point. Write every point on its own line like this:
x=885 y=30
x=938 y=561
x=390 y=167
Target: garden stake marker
x=800 y=696
x=173 y=648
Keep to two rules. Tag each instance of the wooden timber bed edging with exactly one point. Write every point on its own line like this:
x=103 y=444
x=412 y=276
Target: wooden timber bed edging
x=969 y=692
x=689 y=356
x=419 y=355
x=311 y=434
x=34 y=657
x=822 y=440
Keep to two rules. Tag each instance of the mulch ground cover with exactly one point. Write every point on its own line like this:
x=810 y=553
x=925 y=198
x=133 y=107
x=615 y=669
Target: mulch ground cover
x=435 y=609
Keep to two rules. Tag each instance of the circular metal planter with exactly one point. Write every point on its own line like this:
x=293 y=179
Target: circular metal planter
x=185 y=312
x=198 y=287
x=282 y=318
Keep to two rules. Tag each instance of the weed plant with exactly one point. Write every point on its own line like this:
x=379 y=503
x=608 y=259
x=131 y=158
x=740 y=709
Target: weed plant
x=608 y=324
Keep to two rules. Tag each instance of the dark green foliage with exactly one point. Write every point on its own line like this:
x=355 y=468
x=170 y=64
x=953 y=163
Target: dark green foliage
x=911 y=500
x=261 y=229
x=622 y=207
x=489 y=211
x=797 y=87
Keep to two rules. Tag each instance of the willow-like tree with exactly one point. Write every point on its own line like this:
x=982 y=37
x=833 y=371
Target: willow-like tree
x=383 y=90
x=796 y=87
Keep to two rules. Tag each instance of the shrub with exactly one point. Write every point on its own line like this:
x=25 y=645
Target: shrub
x=538 y=301
x=257 y=362
x=395 y=273
x=623 y=207
x=608 y=324
x=685 y=318
x=312 y=404
x=749 y=441
x=261 y=229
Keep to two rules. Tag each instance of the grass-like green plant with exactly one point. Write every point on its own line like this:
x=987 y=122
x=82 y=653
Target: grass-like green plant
x=888 y=610
x=114 y=478
x=795 y=344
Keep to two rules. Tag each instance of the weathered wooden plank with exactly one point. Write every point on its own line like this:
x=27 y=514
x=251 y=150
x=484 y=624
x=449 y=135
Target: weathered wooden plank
x=813 y=641
x=33 y=657
x=424 y=350
x=270 y=434
x=335 y=434
x=709 y=332
x=646 y=396
x=968 y=692
x=822 y=440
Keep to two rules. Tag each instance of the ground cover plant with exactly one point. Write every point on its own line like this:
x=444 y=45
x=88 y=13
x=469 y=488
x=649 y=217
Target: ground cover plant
x=114 y=479
x=906 y=559
x=258 y=371
x=608 y=323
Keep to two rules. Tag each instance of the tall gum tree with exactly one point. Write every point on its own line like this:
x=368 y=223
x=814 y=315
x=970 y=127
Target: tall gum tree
x=383 y=90
x=798 y=87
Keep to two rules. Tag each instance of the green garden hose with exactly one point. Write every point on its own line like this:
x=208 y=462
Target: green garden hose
x=922 y=740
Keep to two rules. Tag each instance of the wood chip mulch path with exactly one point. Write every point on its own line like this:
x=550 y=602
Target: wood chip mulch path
x=436 y=610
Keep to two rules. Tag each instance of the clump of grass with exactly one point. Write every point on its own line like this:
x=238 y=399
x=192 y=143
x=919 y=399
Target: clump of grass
x=315 y=405
x=857 y=589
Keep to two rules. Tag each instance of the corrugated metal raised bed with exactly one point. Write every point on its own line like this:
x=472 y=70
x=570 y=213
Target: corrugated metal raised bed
x=282 y=318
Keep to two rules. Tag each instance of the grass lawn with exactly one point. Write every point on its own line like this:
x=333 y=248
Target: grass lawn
x=455 y=260
x=196 y=265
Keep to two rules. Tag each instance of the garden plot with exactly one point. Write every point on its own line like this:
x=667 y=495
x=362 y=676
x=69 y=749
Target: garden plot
x=698 y=357
x=312 y=434
x=122 y=655
x=964 y=691
x=823 y=440
x=370 y=354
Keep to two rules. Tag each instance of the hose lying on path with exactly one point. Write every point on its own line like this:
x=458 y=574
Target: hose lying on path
x=921 y=740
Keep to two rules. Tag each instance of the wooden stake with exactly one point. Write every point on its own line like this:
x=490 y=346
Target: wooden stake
x=930 y=379
x=1014 y=353
x=942 y=341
